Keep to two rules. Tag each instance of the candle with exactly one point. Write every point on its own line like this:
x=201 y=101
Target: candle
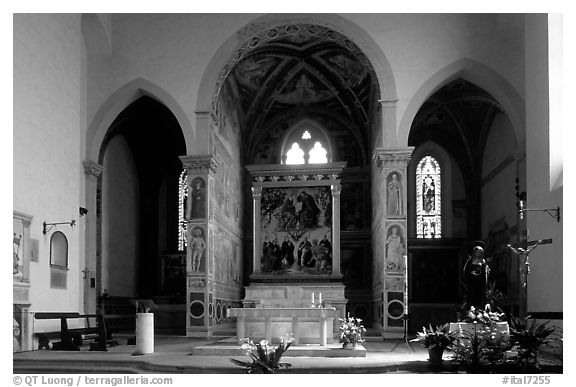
x=312 y=298
x=320 y=298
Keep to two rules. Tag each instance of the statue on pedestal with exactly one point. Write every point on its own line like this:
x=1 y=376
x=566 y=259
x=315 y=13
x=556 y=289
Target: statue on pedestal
x=476 y=272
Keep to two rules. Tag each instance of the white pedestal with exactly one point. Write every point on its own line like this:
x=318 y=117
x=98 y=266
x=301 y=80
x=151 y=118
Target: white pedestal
x=144 y=333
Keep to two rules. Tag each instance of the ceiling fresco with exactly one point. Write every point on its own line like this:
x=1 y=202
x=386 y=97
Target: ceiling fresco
x=298 y=71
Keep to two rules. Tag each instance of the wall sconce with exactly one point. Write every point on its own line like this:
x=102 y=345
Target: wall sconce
x=553 y=212
x=83 y=211
x=48 y=226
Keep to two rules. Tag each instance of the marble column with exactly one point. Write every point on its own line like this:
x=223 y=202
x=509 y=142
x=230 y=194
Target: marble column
x=393 y=165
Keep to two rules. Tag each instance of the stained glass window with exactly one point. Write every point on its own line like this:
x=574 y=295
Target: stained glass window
x=295 y=155
x=302 y=151
x=317 y=154
x=182 y=199
x=428 y=199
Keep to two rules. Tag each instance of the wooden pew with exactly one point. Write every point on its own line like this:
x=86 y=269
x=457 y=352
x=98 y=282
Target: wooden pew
x=71 y=339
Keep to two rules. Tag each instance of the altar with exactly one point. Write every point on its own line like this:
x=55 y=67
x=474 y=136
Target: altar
x=307 y=325
x=295 y=255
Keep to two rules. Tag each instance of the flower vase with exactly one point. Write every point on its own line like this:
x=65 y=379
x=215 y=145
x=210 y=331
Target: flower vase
x=435 y=354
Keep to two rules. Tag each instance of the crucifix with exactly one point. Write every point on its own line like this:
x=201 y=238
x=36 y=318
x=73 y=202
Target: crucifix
x=85 y=272
x=524 y=253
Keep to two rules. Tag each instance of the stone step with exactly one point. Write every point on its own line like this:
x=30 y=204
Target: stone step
x=229 y=347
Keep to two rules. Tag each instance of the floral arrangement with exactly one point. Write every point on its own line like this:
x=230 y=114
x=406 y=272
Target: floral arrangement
x=439 y=337
x=263 y=358
x=485 y=316
x=351 y=330
x=485 y=345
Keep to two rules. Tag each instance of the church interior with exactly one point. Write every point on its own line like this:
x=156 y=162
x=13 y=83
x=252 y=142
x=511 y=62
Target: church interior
x=215 y=163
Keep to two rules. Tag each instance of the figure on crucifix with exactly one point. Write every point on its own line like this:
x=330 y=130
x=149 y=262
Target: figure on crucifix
x=523 y=254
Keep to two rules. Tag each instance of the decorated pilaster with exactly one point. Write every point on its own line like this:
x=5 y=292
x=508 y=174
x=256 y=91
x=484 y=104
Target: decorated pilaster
x=199 y=216
x=92 y=171
x=391 y=235
x=256 y=202
x=336 y=189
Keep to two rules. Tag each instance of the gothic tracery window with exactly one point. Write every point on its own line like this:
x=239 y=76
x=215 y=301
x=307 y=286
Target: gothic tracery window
x=428 y=198
x=306 y=147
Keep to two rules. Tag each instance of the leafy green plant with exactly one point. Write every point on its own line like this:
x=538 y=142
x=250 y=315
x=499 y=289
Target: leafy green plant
x=439 y=337
x=263 y=358
x=471 y=346
x=530 y=336
x=351 y=330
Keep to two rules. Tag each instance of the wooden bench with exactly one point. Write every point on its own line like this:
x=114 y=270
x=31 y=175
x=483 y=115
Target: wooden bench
x=71 y=339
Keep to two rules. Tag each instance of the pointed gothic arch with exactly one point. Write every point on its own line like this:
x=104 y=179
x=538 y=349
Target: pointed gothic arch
x=121 y=99
x=479 y=74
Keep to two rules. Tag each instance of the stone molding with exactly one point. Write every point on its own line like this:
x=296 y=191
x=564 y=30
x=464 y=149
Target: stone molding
x=92 y=169
x=204 y=163
x=393 y=158
x=295 y=174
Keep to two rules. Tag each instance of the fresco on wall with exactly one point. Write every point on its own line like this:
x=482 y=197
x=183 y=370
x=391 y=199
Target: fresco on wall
x=226 y=258
x=197 y=199
x=227 y=184
x=296 y=230
x=394 y=193
x=228 y=125
x=352 y=214
x=395 y=249
x=196 y=241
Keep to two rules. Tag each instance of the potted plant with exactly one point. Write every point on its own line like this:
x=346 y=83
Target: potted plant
x=529 y=337
x=351 y=330
x=436 y=340
x=263 y=358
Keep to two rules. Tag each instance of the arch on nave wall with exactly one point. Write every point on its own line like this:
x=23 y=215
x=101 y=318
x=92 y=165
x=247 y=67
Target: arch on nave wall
x=120 y=100
x=229 y=53
x=482 y=76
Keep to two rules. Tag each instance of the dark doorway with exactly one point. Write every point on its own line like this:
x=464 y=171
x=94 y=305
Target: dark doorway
x=434 y=282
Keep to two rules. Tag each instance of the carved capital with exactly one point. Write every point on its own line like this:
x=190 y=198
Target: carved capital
x=393 y=158
x=336 y=189
x=202 y=114
x=25 y=218
x=388 y=103
x=92 y=169
x=206 y=163
x=257 y=192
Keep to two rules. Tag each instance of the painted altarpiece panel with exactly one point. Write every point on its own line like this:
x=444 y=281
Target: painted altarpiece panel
x=296 y=230
x=296 y=220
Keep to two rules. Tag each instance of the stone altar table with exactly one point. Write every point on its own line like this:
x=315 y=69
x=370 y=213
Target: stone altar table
x=322 y=317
